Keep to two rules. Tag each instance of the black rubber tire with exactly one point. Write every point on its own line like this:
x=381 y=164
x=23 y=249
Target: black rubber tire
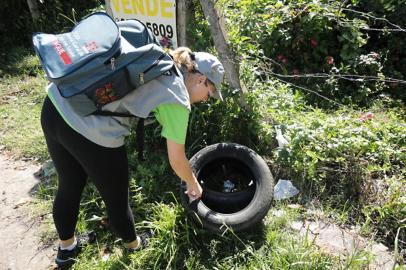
x=260 y=203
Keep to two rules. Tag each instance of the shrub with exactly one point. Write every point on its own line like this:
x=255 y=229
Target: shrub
x=55 y=16
x=312 y=43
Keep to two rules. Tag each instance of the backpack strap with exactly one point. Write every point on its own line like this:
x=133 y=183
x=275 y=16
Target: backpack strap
x=107 y=113
x=140 y=131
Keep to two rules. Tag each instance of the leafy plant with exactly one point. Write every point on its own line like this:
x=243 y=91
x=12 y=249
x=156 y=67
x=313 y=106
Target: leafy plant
x=55 y=15
x=314 y=43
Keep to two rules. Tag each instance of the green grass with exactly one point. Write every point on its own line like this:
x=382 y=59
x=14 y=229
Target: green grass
x=178 y=243
x=21 y=97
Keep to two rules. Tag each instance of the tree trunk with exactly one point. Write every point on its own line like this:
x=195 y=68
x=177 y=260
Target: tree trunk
x=218 y=31
x=33 y=6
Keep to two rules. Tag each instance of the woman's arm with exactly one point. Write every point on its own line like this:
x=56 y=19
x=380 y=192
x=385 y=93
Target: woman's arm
x=181 y=166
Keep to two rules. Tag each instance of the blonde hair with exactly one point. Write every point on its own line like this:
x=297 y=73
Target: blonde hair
x=182 y=57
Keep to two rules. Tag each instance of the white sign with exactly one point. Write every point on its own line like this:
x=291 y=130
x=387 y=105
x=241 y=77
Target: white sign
x=158 y=15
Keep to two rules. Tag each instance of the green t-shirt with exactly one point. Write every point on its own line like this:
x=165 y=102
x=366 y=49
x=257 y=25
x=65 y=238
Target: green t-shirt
x=174 y=120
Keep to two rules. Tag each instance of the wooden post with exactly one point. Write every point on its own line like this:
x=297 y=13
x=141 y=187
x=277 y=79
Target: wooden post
x=218 y=31
x=108 y=8
x=191 y=18
x=33 y=6
x=181 y=21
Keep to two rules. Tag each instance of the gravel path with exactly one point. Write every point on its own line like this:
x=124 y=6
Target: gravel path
x=20 y=247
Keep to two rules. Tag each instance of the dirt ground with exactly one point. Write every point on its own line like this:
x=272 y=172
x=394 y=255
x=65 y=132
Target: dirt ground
x=21 y=246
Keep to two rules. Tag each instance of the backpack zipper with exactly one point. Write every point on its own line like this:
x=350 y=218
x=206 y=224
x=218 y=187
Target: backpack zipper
x=112 y=63
x=141 y=75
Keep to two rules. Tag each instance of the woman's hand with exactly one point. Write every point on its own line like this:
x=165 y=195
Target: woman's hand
x=193 y=190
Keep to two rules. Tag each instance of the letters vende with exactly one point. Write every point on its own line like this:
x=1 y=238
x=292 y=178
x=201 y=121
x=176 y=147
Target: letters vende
x=152 y=8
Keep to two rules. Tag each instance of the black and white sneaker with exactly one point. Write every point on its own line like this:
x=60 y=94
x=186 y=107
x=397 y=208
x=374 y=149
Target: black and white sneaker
x=143 y=240
x=66 y=258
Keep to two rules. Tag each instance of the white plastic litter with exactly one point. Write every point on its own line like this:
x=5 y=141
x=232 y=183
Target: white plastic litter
x=284 y=189
x=282 y=142
x=48 y=169
x=228 y=186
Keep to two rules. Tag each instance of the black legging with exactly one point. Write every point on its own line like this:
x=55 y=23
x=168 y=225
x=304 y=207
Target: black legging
x=75 y=159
